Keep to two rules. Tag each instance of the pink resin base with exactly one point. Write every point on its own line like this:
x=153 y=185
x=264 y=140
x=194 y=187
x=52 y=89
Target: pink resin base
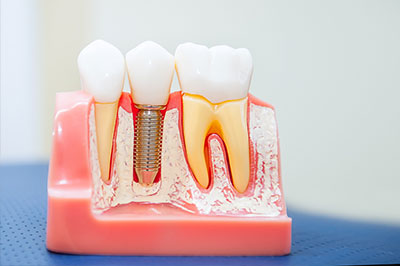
x=72 y=228
x=137 y=229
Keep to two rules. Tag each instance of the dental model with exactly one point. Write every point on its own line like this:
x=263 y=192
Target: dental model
x=194 y=172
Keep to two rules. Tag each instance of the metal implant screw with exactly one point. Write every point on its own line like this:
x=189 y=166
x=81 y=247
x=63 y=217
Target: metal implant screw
x=148 y=142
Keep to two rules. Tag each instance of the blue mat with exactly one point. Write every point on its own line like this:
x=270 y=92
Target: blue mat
x=316 y=240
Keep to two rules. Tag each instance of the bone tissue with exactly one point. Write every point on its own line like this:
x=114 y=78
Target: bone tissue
x=177 y=187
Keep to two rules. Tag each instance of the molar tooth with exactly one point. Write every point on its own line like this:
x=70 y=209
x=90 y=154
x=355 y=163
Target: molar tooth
x=215 y=85
x=102 y=72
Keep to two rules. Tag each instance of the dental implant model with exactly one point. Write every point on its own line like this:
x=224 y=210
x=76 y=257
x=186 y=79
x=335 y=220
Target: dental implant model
x=194 y=172
x=150 y=71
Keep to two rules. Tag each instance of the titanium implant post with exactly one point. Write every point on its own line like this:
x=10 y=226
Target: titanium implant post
x=148 y=142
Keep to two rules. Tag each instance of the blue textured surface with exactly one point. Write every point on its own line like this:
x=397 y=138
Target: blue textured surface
x=316 y=240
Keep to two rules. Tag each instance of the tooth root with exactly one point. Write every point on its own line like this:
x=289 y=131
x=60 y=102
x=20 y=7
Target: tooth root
x=197 y=118
x=232 y=117
x=105 y=124
x=229 y=121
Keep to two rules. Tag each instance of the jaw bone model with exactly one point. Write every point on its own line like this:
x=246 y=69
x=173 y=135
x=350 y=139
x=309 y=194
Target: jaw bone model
x=218 y=190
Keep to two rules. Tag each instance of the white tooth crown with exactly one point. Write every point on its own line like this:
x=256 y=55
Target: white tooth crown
x=219 y=74
x=102 y=70
x=150 y=71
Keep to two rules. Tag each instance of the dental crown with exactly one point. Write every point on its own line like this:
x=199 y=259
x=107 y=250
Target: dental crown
x=102 y=69
x=219 y=73
x=150 y=70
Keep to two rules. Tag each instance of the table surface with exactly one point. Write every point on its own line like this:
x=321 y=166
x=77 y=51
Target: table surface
x=316 y=240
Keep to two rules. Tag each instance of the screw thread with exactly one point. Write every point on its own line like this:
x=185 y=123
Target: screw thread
x=148 y=140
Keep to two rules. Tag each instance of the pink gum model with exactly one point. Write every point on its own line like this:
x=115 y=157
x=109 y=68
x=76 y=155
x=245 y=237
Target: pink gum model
x=175 y=216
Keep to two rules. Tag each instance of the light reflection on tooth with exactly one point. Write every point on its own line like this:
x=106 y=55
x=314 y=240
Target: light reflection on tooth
x=229 y=121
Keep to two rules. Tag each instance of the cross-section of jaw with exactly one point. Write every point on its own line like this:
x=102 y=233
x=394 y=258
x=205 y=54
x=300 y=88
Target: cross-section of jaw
x=215 y=84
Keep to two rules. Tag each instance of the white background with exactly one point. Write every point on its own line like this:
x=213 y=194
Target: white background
x=331 y=69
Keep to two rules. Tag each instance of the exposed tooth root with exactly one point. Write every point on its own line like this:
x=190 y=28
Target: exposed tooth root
x=229 y=121
x=233 y=119
x=105 y=125
x=197 y=120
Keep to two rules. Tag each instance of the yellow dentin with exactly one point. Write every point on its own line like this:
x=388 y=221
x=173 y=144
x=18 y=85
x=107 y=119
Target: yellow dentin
x=228 y=120
x=105 y=114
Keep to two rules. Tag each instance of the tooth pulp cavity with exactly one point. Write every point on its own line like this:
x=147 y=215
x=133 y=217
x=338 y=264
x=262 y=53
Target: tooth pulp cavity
x=215 y=83
x=102 y=72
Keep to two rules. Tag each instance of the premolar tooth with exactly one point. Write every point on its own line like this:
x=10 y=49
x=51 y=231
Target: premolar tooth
x=215 y=84
x=102 y=71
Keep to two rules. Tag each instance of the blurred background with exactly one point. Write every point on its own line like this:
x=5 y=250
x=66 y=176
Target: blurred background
x=331 y=69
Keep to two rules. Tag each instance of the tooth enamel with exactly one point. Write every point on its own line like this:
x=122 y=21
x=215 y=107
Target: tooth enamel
x=150 y=71
x=219 y=74
x=102 y=71
x=215 y=83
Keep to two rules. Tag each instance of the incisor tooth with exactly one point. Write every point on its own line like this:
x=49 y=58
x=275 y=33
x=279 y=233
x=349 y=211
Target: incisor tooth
x=229 y=121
